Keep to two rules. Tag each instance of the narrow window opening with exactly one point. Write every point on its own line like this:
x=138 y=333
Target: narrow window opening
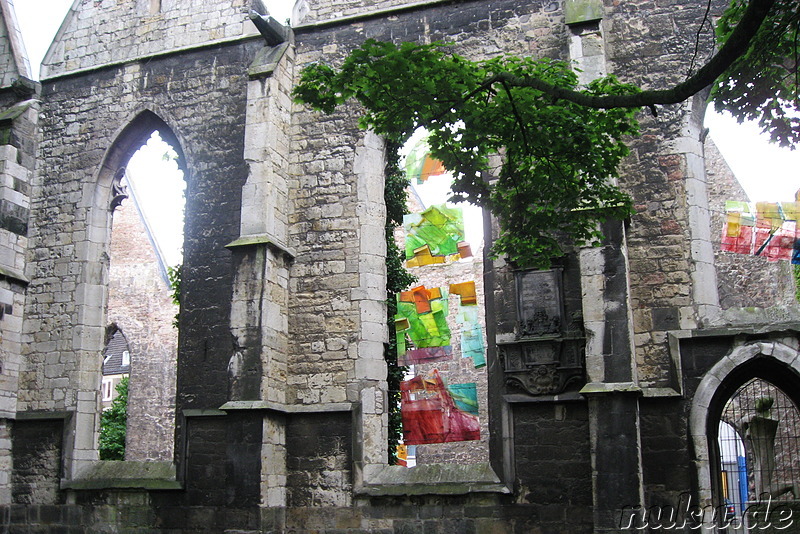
x=115 y=365
x=440 y=322
x=146 y=246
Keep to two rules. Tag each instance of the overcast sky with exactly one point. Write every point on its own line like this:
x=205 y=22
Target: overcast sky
x=765 y=171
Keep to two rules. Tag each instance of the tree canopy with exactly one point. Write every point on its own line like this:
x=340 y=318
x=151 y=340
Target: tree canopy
x=526 y=141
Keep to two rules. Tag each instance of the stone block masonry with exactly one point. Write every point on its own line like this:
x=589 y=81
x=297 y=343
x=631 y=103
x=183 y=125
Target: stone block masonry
x=36 y=452
x=106 y=33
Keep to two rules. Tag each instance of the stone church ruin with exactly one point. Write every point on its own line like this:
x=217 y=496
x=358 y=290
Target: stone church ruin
x=606 y=378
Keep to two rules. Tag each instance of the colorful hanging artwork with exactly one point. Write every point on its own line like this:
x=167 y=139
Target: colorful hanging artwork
x=435 y=236
x=435 y=413
x=420 y=165
x=402 y=454
x=467 y=317
x=421 y=324
x=768 y=229
x=471 y=335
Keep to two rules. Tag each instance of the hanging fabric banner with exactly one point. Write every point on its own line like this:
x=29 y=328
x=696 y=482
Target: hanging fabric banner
x=467 y=317
x=767 y=229
x=471 y=335
x=419 y=163
x=432 y=415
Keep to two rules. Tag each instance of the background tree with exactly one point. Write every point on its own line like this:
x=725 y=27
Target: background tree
x=113 y=425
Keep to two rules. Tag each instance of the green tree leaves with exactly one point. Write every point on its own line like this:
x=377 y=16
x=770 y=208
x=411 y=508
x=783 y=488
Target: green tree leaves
x=557 y=159
x=397 y=279
x=762 y=84
x=558 y=145
x=174 y=276
x=113 y=424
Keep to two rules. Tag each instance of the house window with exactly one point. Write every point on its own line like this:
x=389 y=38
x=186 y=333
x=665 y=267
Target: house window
x=107 y=389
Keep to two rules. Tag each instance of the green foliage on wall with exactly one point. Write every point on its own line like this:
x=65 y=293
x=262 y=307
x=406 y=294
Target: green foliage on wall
x=796 y=272
x=762 y=84
x=113 y=425
x=174 y=275
x=527 y=142
x=397 y=279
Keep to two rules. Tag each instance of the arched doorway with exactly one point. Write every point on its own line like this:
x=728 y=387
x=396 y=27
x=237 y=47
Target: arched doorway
x=733 y=408
x=758 y=456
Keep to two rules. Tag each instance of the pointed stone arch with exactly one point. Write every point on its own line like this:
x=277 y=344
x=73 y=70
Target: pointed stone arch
x=773 y=361
x=100 y=197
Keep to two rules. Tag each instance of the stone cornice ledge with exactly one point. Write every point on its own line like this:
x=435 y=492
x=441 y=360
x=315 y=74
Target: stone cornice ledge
x=389 y=11
x=287 y=408
x=149 y=475
x=147 y=56
x=263 y=239
x=13 y=274
x=434 y=479
x=754 y=328
x=606 y=388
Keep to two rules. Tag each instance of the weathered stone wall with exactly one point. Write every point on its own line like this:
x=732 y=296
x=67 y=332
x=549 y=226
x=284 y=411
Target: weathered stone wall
x=140 y=303
x=17 y=160
x=552 y=472
x=36 y=452
x=673 y=462
x=13 y=242
x=324 y=229
x=223 y=462
x=13 y=60
x=319 y=461
x=668 y=242
x=20 y=112
x=283 y=320
x=306 y=12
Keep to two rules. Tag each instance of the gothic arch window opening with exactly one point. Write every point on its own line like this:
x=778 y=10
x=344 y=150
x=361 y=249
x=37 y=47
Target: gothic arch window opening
x=758 y=448
x=441 y=319
x=146 y=243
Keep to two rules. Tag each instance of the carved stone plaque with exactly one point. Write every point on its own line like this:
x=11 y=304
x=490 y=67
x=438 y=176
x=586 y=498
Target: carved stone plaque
x=539 y=303
x=543 y=366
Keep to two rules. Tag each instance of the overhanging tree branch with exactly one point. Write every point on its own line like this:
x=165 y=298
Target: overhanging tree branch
x=736 y=45
x=541 y=202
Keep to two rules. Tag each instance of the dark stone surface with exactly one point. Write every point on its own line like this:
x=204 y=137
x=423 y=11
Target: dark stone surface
x=616 y=338
x=552 y=467
x=36 y=453
x=223 y=460
x=319 y=457
x=666 y=318
x=617 y=465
